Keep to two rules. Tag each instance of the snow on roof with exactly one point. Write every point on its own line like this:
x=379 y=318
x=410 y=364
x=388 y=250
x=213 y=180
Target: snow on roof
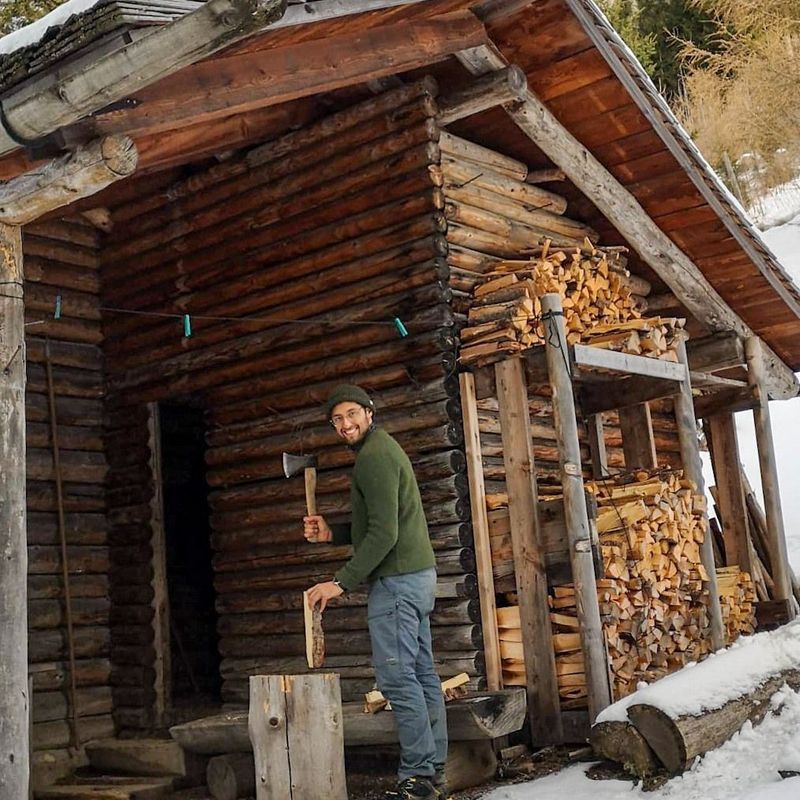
x=35 y=32
x=722 y=677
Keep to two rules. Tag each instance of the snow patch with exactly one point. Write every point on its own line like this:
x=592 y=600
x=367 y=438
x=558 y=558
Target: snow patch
x=722 y=677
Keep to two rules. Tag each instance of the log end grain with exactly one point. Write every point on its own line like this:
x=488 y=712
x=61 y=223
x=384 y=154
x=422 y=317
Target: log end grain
x=621 y=742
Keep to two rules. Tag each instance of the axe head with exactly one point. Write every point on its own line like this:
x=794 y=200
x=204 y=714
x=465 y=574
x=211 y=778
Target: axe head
x=294 y=464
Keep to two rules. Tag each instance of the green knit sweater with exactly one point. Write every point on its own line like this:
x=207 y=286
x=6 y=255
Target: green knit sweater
x=388 y=530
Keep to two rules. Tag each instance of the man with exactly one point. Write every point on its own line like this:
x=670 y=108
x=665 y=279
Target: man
x=392 y=553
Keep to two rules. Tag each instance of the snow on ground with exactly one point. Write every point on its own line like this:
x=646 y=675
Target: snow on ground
x=744 y=768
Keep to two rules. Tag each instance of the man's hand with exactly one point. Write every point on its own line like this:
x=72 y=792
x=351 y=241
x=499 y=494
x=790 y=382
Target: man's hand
x=315 y=529
x=321 y=593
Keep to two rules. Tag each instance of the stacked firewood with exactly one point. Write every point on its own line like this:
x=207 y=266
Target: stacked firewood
x=737 y=595
x=505 y=306
x=653 y=596
x=656 y=337
x=651 y=527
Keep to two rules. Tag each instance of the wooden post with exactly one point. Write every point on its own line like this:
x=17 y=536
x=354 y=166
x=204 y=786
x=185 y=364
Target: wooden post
x=693 y=469
x=544 y=710
x=725 y=459
x=638 y=443
x=295 y=725
x=578 y=530
x=14 y=750
x=597 y=445
x=776 y=537
x=480 y=532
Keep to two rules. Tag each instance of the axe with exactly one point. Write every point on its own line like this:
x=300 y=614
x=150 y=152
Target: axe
x=292 y=465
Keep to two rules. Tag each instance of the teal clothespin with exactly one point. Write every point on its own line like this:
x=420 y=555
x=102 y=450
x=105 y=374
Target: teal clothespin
x=401 y=329
x=187 y=326
x=57 y=310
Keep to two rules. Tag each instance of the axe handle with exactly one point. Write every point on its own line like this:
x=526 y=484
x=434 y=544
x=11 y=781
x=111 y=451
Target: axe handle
x=311 y=490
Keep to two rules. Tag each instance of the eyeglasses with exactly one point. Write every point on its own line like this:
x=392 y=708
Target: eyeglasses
x=350 y=416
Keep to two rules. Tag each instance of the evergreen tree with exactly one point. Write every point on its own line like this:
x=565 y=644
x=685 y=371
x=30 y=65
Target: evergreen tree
x=625 y=15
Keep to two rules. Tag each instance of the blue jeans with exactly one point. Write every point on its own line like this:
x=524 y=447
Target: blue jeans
x=399 y=612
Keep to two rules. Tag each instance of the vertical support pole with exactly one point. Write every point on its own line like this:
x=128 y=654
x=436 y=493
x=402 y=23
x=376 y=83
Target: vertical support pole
x=638 y=442
x=480 y=532
x=776 y=537
x=593 y=645
x=597 y=446
x=725 y=460
x=296 y=728
x=162 y=664
x=544 y=710
x=693 y=469
x=14 y=750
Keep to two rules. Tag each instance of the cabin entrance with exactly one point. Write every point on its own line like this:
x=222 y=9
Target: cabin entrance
x=191 y=669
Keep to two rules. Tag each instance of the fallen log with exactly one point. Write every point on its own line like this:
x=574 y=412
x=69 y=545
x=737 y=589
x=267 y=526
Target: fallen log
x=621 y=742
x=677 y=742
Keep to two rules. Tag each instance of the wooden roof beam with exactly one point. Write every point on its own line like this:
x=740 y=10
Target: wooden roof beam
x=623 y=211
x=67 y=179
x=48 y=103
x=244 y=81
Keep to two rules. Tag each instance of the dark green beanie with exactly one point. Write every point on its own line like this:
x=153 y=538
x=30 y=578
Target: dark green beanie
x=348 y=392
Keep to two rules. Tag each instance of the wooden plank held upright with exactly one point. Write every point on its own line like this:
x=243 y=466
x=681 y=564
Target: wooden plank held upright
x=296 y=729
x=578 y=531
x=529 y=564
x=14 y=563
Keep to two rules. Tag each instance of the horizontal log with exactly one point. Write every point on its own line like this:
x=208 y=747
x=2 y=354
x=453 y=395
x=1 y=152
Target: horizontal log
x=463 y=149
x=75 y=465
x=70 y=437
x=382 y=152
x=238 y=359
x=50 y=706
x=80 y=529
x=467 y=720
x=81 y=173
x=63 y=354
x=450 y=637
x=404 y=396
x=51 y=645
x=69 y=410
x=490 y=91
x=678 y=742
x=44 y=614
x=48 y=677
x=314 y=393
x=43 y=587
x=58 y=734
x=446 y=663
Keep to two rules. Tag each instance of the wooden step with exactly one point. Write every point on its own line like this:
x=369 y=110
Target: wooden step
x=133 y=789
x=145 y=757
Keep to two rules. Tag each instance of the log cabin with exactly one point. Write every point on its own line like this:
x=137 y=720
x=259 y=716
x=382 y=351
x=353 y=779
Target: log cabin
x=212 y=213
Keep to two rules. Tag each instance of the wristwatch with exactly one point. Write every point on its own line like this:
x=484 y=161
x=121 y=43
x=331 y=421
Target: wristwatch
x=338 y=583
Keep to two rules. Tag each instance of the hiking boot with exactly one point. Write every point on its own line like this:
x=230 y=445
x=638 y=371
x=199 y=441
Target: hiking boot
x=440 y=785
x=416 y=787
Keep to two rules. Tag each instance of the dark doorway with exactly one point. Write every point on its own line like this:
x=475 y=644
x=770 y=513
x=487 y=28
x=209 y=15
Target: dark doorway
x=194 y=653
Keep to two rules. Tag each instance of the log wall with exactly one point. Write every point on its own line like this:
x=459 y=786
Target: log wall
x=341 y=221
x=62 y=258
